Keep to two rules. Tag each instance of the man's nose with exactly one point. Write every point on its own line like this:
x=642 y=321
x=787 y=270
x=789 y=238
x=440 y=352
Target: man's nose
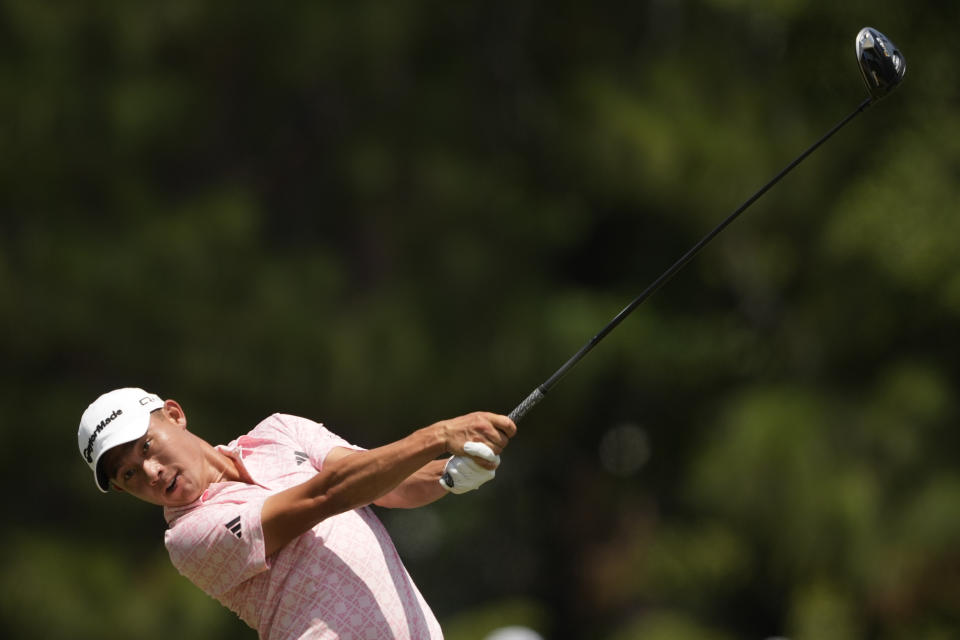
x=152 y=469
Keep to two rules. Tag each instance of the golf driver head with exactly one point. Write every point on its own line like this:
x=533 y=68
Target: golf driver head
x=881 y=63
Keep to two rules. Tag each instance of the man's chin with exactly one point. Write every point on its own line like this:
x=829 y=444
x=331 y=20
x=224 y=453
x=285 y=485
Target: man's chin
x=181 y=494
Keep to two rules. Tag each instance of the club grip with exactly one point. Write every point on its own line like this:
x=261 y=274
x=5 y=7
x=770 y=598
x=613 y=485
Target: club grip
x=521 y=410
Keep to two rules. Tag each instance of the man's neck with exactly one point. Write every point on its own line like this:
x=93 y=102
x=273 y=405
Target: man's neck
x=231 y=469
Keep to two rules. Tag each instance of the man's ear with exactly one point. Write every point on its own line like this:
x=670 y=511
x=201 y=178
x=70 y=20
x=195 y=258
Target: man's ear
x=175 y=412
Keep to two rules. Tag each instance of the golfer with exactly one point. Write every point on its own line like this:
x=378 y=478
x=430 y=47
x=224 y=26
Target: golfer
x=277 y=525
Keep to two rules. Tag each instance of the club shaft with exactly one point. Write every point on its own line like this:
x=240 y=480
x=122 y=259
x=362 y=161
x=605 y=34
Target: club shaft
x=538 y=394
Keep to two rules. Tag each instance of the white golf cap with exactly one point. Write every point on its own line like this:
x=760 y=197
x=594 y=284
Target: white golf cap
x=115 y=418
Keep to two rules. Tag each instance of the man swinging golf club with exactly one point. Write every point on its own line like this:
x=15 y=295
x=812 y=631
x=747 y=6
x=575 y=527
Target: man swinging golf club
x=276 y=525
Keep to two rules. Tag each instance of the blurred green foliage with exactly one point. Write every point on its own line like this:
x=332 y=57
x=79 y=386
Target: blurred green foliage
x=381 y=214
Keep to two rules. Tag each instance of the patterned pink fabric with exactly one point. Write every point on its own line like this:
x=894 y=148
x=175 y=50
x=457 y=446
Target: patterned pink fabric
x=342 y=579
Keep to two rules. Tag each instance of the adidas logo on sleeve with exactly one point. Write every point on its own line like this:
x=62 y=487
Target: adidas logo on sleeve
x=234 y=527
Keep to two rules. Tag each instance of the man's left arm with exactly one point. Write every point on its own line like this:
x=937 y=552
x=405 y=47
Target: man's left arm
x=423 y=486
x=419 y=489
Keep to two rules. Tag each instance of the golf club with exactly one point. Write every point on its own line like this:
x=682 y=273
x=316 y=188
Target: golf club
x=882 y=66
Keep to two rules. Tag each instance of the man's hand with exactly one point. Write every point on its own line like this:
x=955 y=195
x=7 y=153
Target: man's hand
x=476 y=441
x=462 y=474
x=490 y=429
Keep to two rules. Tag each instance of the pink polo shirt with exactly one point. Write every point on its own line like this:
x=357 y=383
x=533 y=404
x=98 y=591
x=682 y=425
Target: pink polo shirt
x=342 y=579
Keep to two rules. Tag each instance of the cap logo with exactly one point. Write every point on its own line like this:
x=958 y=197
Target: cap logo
x=96 y=432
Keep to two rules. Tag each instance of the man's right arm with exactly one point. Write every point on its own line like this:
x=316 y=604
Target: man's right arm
x=357 y=479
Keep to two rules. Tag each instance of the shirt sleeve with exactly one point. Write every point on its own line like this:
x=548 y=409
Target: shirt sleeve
x=220 y=546
x=315 y=439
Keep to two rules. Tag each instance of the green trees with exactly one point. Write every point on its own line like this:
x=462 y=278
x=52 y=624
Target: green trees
x=379 y=215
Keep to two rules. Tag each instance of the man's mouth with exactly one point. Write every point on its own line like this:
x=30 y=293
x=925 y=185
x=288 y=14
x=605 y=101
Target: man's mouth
x=173 y=484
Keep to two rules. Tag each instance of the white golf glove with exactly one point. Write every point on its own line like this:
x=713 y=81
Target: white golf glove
x=462 y=474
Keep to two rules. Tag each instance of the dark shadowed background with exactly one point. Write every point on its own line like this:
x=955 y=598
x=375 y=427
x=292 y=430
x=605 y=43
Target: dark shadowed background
x=381 y=214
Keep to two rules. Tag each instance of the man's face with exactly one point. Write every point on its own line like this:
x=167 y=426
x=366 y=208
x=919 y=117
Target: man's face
x=166 y=466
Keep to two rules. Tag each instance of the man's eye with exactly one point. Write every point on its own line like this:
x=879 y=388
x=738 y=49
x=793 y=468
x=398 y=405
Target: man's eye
x=146 y=445
x=127 y=475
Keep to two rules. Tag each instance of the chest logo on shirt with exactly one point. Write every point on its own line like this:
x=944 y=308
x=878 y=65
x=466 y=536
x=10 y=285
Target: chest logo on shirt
x=234 y=527
x=301 y=457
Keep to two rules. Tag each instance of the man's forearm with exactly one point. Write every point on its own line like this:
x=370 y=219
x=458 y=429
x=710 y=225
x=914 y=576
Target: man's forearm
x=365 y=476
x=419 y=489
